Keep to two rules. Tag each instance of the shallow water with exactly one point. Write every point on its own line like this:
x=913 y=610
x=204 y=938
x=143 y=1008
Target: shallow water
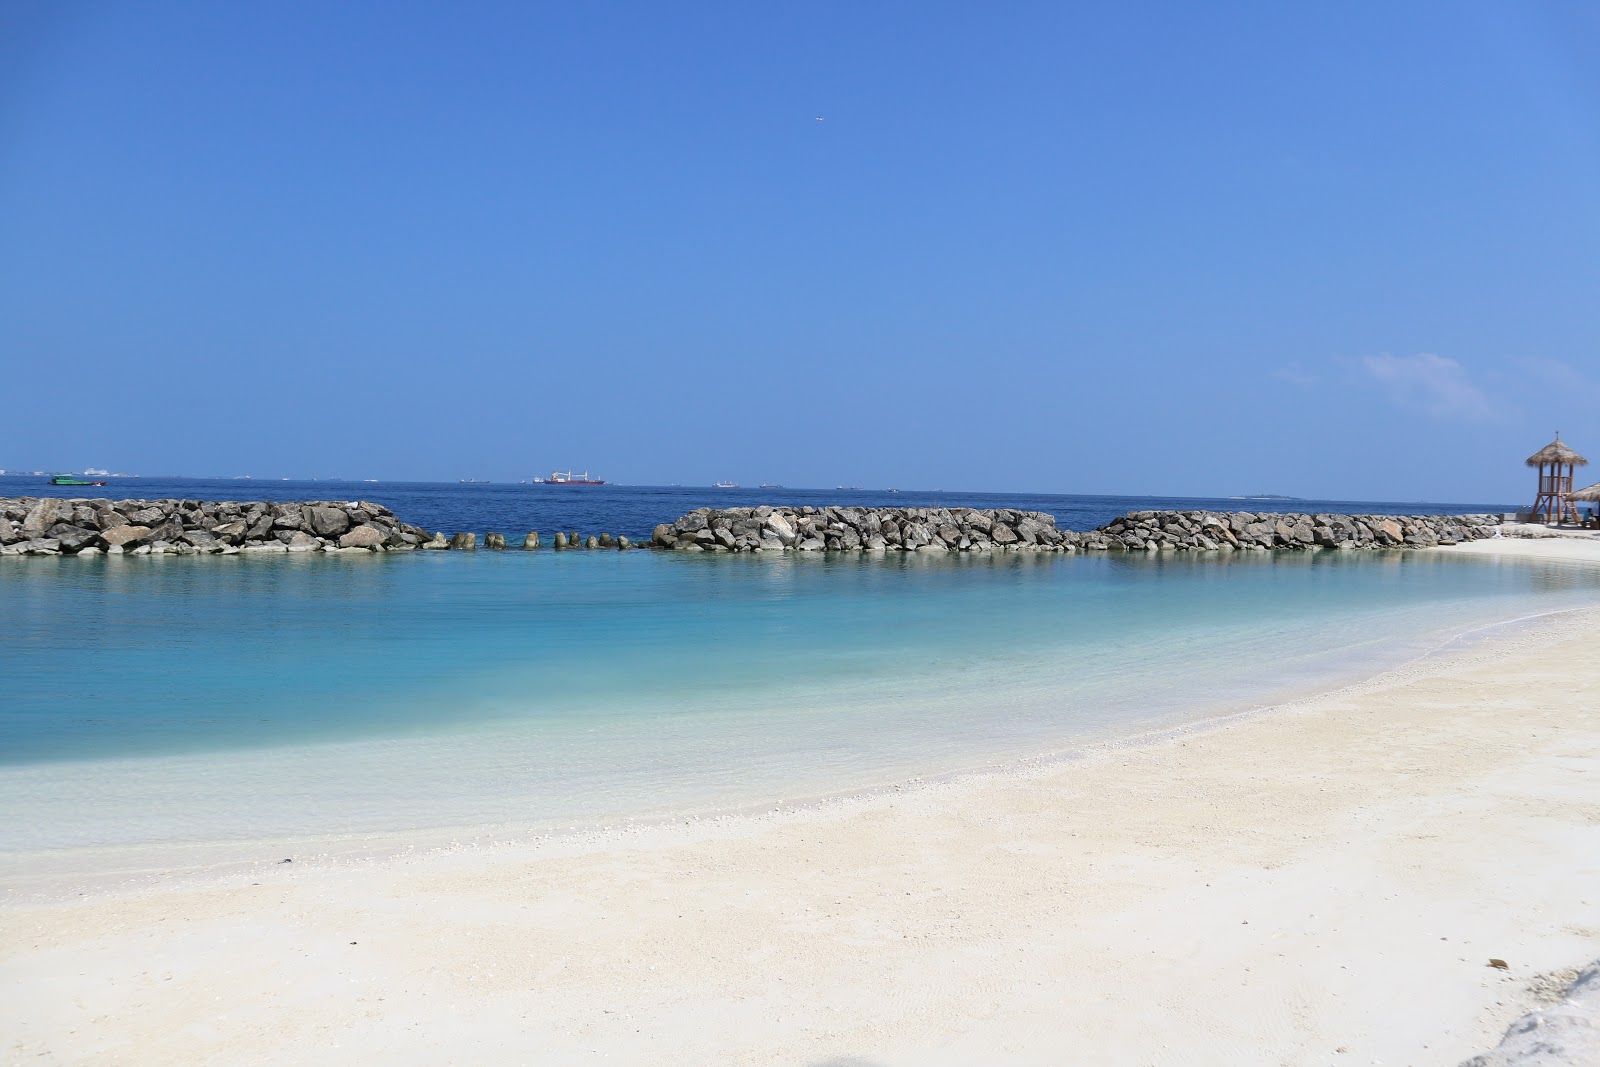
x=191 y=699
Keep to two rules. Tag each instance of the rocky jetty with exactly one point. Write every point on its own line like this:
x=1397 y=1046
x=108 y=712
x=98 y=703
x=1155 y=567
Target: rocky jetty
x=851 y=529
x=1210 y=531
x=55 y=526
x=52 y=526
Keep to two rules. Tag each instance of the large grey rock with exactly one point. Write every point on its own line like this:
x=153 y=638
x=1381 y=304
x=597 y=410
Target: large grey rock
x=464 y=540
x=44 y=514
x=366 y=536
x=781 y=528
x=300 y=541
x=327 y=521
x=531 y=541
x=124 y=535
x=72 y=538
x=493 y=540
x=201 y=539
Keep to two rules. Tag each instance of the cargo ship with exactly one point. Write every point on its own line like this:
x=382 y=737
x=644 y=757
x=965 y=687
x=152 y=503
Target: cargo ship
x=569 y=478
x=68 y=479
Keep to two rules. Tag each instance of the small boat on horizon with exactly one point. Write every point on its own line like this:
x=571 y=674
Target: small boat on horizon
x=70 y=479
x=724 y=485
x=769 y=485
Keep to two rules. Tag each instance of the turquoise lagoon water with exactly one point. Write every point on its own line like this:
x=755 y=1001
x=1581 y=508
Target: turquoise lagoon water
x=152 y=700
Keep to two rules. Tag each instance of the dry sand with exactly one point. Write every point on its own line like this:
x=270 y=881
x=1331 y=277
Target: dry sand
x=1322 y=884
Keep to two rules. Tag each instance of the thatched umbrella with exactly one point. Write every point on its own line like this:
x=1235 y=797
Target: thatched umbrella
x=1556 y=462
x=1591 y=494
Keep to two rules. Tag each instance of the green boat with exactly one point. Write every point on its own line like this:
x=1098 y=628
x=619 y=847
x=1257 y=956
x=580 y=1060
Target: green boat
x=67 y=479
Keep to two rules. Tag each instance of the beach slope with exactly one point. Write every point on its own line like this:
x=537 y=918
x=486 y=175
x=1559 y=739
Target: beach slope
x=1323 y=883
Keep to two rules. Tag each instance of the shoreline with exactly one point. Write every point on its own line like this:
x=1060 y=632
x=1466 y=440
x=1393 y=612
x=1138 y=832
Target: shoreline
x=114 y=869
x=1303 y=866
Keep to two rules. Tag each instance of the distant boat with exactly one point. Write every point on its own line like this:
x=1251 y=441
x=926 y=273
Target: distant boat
x=851 y=487
x=473 y=481
x=569 y=478
x=68 y=479
x=724 y=485
x=770 y=485
x=891 y=490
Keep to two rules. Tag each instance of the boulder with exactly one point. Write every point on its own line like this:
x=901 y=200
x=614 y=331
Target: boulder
x=45 y=513
x=531 y=541
x=464 y=540
x=367 y=536
x=229 y=532
x=781 y=528
x=201 y=539
x=124 y=535
x=300 y=541
x=327 y=521
x=492 y=540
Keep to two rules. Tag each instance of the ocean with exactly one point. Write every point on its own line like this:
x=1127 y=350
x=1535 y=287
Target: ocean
x=169 y=701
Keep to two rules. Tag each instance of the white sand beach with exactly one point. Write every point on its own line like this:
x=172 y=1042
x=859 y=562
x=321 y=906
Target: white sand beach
x=1324 y=883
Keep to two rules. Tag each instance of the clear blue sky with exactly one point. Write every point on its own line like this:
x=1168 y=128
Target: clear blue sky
x=1338 y=250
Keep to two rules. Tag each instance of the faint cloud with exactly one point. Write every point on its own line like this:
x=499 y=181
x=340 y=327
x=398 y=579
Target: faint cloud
x=1297 y=375
x=1572 y=383
x=1433 y=384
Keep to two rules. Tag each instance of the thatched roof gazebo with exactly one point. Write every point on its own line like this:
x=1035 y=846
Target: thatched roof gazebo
x=1556 y=462
x=1591 y=494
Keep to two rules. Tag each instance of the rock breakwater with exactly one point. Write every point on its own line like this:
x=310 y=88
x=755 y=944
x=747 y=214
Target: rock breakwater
x=55 y=526
x=850 y=529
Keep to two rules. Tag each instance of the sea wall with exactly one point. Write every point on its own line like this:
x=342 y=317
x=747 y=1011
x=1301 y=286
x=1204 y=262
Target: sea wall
x=54 y=526
x=810 y=529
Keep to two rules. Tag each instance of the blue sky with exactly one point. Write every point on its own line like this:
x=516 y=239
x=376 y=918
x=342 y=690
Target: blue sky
x=1327 y=250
